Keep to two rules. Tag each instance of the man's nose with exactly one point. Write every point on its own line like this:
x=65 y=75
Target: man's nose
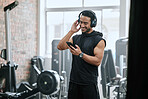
x=82 y=25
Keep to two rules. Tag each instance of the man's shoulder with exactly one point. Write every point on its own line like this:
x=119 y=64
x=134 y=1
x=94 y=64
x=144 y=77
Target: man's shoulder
x=99 y=34
x=77 y=35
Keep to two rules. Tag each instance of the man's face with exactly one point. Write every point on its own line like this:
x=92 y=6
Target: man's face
x=85 y=23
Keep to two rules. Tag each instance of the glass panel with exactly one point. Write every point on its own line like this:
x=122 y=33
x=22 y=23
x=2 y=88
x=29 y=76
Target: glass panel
x=63 y=3
x=78 y=3
x=101 y=2
x=110 y=28
x=54 y=28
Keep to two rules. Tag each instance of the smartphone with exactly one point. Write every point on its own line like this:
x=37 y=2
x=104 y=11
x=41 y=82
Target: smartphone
x=69 y=43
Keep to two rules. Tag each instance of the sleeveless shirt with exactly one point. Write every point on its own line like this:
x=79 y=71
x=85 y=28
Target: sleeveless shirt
x=82 y=72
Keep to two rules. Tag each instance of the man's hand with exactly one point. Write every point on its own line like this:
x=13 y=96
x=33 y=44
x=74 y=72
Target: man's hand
x=75 y=51
x=62 y=44
x=75 y=27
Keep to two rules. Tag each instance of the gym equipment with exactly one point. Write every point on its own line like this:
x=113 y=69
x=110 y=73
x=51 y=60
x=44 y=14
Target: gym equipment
x=121 y=50
x=110 y=78
x=107 y=71
x=61 y=62
x=48 y=81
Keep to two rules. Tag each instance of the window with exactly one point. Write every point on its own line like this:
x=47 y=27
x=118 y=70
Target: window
x=101 y=2
x=58 y=16
x=110 y=28
x=80 y=3
x=111 y=21
x=63 y=3
x=57 y=27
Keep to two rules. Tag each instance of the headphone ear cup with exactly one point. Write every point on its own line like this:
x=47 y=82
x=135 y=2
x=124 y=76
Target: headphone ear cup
x=78 y=20
x=93 y=23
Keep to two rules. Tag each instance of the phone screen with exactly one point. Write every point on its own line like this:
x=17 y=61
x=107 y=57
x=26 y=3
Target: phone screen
x=69 y=43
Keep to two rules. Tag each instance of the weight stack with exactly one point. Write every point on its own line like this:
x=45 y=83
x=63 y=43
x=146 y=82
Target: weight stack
x=61 y=61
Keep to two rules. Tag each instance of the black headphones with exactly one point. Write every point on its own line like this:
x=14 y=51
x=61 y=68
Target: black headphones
x=93 y=20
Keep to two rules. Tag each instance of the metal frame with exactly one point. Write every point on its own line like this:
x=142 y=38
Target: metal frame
x=66 y=9
x=8 y=35
x=10 y=67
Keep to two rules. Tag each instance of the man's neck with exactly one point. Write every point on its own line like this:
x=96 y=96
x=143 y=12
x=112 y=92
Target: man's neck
x=91 y=30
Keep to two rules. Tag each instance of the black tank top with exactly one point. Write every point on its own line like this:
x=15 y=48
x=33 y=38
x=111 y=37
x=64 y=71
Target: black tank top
x=82 y=72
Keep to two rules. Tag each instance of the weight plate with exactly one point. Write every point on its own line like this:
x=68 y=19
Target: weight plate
x=47 y=82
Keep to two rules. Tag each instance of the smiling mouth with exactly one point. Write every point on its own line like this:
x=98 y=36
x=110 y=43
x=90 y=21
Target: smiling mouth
x=83 y=29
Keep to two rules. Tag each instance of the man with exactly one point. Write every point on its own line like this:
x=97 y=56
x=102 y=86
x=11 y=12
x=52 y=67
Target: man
x=87 y=56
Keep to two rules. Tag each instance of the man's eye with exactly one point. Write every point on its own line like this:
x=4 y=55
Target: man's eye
x=85 y=23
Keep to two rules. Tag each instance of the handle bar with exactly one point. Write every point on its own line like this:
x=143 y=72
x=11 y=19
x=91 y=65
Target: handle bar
x=11 y=6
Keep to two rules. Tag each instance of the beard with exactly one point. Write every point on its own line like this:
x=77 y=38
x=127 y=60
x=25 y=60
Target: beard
x=87 y=30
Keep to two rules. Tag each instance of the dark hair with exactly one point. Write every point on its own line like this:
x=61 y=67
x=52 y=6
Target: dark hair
x=88 y=13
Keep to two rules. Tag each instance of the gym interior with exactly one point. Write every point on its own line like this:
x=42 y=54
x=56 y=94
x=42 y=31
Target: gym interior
x=30 y=31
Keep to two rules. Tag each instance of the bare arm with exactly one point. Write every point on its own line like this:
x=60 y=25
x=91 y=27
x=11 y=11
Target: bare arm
x=98 y=52
x=62 y=44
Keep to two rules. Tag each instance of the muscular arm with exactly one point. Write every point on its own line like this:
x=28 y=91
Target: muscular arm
x=98 y=52
x=62 y=44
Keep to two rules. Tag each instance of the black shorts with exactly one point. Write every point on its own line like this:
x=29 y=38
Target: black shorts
x=77 y=91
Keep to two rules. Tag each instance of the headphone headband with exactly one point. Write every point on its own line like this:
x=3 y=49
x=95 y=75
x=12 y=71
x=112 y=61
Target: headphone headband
x=93 y=20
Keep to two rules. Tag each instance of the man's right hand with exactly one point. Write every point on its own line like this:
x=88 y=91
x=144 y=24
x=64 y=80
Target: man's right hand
x=62 y=44
x=75 y=27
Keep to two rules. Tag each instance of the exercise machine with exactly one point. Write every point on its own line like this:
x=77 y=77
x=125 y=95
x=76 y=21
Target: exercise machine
x=48 y=81
x=110 y=78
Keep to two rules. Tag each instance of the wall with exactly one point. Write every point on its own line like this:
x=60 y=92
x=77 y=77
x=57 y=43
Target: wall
x=23 y=19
